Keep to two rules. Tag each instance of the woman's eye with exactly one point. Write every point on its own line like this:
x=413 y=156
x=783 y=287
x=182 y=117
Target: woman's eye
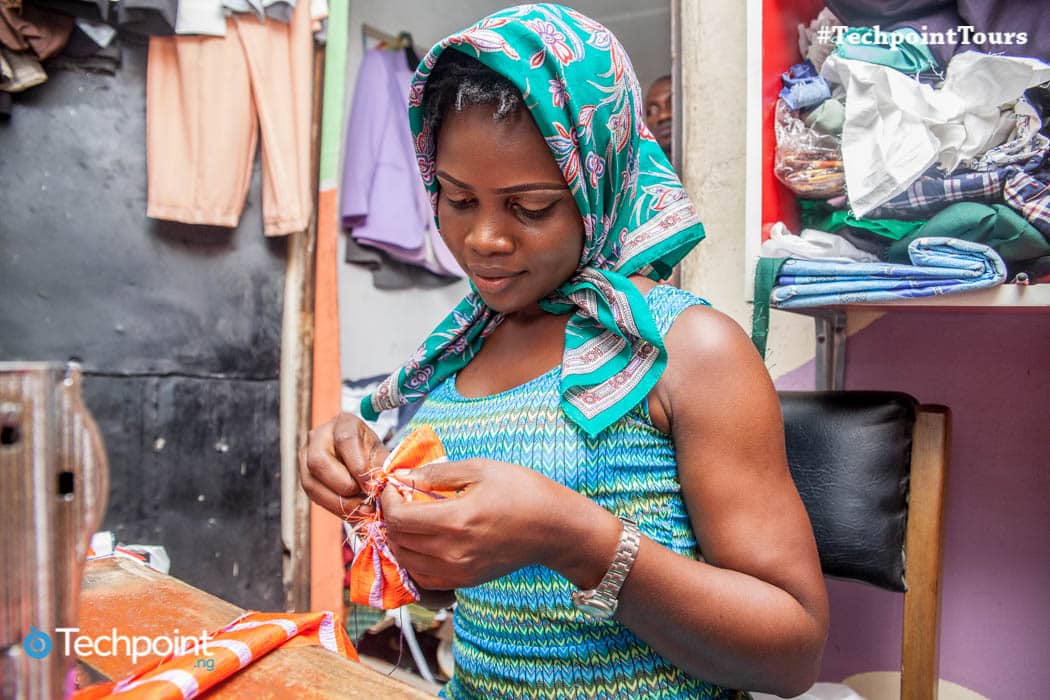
x=535 y=213
x=459 y=203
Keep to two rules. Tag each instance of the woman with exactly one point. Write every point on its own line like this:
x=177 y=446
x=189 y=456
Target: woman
x=605 y=431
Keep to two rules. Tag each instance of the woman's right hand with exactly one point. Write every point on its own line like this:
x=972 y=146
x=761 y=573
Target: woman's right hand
x=337 y=463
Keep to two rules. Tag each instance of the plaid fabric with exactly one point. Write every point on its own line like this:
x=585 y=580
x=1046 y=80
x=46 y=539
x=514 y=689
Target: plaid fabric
x=1029 y=194
x=929 y=194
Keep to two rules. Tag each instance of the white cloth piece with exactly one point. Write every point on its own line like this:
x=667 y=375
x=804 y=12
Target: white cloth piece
x=897 y=127
x=99 y=32
x=1022 y=143
x=200 y=17
x=318 y=10
x=811 y=244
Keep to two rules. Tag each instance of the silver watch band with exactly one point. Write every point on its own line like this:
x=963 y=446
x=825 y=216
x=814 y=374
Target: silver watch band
x=601 y=602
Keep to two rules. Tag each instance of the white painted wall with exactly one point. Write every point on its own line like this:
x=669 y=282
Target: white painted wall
x=714 y=148
x=380 y=329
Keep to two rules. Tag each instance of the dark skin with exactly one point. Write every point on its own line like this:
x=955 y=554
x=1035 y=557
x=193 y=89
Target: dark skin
x=754 y=613
x=659 y=113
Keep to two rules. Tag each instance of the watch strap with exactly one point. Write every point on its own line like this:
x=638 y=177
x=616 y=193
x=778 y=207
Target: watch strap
x=603 y=600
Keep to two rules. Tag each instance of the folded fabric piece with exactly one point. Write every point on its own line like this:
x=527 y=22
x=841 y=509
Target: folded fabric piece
x=931 y=193
x=42 y=31
x=204 y=17
x=996 y=225
x=1029 y=195
x=811 y=244
x=821 y=217
x=390 y=273
x=803 y=87
x=376 y=579
x=21 y=71
x=827 y=117
x=939 y=266
x=896 y=128
x=106 y=60
x=251 y=636
x=901 y=49
x=147 y=17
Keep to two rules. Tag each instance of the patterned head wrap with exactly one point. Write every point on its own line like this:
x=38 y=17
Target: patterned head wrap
x=578 y=84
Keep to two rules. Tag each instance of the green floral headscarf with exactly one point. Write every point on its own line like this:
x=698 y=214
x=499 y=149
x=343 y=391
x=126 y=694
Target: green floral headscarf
x=579 y=86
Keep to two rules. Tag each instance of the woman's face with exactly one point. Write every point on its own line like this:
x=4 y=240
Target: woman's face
x=505 y=210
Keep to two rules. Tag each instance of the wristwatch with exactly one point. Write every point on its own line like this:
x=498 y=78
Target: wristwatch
x=601 y=602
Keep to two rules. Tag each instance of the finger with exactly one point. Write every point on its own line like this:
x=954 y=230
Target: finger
x=417 y=517
x=321 y=466
x=442 y=476
x=342 y=505
x=358 y=447
x=350 y=508
x=427 y=570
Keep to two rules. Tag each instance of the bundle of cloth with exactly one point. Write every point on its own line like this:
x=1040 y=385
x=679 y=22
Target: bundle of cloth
x=935 y=143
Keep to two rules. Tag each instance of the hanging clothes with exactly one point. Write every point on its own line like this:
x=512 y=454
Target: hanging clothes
x=208 y=99
x=384 y=202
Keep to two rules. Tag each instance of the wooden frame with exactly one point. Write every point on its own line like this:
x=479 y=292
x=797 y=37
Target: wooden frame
x=921 y=630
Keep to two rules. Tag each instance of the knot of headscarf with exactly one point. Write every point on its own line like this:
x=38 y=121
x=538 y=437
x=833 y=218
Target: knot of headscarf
x=578 y=84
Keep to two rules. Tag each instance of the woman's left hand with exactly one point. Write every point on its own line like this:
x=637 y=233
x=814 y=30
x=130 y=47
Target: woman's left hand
x=499 y=522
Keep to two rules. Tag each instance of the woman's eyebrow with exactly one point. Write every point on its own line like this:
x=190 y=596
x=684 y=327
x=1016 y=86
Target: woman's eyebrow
x=513 y=189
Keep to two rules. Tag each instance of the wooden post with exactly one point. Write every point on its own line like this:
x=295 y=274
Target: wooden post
x=922 y=569
x=297 y=346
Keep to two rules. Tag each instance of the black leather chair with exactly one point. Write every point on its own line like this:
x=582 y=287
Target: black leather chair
x=870 y=467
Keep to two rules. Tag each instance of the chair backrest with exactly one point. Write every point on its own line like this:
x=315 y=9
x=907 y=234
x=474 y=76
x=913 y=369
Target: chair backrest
x=870 y=467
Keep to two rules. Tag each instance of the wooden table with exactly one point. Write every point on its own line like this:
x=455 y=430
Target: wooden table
x=127 y=596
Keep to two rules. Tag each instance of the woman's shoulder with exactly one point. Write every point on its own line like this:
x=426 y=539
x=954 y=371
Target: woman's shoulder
x=666 y=302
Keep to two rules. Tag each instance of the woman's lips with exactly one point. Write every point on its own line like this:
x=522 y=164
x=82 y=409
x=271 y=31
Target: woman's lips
x=495 y=283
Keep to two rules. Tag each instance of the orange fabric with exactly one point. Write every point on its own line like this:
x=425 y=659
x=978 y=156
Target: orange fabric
x=376 y=579
x=238 y=644
x=207 y=99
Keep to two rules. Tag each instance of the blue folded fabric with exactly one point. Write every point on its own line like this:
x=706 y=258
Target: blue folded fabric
x=940 y=265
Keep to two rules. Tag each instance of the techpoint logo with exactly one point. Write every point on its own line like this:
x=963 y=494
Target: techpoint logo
x=37 y=643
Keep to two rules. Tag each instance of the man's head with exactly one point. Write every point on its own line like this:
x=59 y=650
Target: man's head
x=658 y=111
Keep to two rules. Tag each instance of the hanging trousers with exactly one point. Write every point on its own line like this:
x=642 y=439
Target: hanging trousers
x=208 y=100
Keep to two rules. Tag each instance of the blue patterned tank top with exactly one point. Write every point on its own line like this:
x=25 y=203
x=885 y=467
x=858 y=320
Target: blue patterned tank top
x=519 y=636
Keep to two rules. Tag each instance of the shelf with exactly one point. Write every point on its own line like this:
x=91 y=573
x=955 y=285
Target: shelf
x=1005 y=297
x=830 y=321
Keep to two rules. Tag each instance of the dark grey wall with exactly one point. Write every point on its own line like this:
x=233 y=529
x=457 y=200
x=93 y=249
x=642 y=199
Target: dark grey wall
x=177 y=327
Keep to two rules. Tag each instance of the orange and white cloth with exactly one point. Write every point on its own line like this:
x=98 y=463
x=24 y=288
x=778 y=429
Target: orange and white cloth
x=246 y=639
x=376 y=579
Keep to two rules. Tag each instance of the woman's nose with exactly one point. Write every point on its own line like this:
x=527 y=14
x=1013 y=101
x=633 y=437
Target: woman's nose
x=487 y=236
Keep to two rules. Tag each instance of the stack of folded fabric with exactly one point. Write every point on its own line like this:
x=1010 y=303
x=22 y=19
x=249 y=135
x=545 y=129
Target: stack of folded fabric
x=941 y=168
